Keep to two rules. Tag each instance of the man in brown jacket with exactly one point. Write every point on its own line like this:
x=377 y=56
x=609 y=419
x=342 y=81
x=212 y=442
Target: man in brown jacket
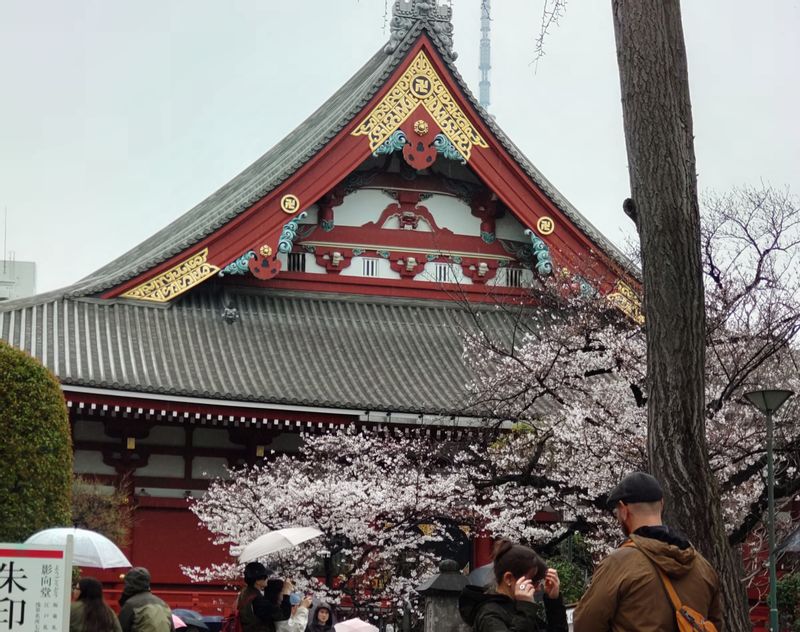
x=626 y=593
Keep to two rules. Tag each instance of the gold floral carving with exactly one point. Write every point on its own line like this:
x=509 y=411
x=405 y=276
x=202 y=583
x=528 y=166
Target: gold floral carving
x=176 y=280
x=420 y=127
x=627 y=301
x=420 y=84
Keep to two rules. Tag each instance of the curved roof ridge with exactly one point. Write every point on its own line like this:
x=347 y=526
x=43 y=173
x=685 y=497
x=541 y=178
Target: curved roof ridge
x=291 y=153
x=255 y=181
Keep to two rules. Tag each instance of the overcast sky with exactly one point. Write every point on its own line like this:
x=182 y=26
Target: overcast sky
x=118 y=116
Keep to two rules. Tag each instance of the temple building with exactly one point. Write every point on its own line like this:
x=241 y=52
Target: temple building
x=323 y=286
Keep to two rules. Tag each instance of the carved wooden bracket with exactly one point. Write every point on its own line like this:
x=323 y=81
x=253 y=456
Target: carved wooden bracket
x=408 y=264
x=420 y=130
x=334 y=260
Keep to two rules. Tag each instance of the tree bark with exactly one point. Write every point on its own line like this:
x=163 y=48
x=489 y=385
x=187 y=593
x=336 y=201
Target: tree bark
x=658 y=132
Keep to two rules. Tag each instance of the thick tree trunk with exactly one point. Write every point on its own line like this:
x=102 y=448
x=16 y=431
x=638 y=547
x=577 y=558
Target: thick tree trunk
x=658 y=132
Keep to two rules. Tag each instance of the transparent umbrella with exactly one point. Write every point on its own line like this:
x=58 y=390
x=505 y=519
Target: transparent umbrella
x=90 y=548
x=355 y=625
x=275 y=541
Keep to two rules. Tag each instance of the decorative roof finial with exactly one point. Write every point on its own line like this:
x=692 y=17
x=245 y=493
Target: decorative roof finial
x=438 y=19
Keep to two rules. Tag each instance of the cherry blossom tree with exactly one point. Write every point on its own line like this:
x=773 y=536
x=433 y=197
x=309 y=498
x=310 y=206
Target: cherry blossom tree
x=572 y=377
x=382 y=500
x=568 y=375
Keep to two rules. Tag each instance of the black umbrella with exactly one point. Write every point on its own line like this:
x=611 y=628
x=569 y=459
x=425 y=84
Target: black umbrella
x=191 y=618
x=482 y=576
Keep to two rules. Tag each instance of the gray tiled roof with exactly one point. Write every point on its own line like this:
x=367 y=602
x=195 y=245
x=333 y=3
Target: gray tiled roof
x=280 y=162
x=331 y=351
x=286 y=348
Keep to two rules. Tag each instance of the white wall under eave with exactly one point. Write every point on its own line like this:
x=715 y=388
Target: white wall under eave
x=360 y=207
x=312 y=267
x=509 y=227
x=84 y=430
x=162 y=465
x=356 y=268
x=455 y=274
x=311 y=218
x=164 y=435
x=453 y=214
x=209 y=467
x=90 y=462
x=212 y=438
x=161 y=492
x=501 y=279
x=366 y=205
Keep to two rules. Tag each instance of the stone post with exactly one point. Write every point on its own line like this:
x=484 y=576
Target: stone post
x=441 y=599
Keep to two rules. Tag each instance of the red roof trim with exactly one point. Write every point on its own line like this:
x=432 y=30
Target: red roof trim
x=262 y=222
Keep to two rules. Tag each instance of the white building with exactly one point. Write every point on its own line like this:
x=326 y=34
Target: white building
x=17 y=279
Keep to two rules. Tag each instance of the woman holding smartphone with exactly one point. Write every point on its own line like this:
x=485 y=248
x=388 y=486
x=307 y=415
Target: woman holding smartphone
x=509 y=606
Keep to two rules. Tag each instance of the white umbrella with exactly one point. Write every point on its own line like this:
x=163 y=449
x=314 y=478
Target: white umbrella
x=275 y=541
x=355 y=625
x=89 y=547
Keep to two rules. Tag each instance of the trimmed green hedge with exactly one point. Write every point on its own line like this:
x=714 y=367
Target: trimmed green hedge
x=35 y=448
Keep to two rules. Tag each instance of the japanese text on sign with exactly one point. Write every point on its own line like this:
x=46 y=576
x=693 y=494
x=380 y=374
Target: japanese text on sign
x=33 y=591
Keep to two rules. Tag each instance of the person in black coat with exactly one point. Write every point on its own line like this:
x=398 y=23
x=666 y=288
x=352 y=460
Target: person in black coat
x=509 y=606
x=259 y=612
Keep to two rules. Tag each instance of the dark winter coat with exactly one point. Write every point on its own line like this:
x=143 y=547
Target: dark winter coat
x=488 y=611
x=257 y=614
x=627 y=595
x=141 y=610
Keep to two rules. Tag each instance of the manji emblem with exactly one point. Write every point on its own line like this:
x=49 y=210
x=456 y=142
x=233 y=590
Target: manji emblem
x=176 y=280
x=420 y=84
x=546 y=225
x=290 y=203
x=627 y=301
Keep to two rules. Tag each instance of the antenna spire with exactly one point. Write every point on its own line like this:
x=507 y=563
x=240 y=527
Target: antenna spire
x=5 y=239
x=486 y=53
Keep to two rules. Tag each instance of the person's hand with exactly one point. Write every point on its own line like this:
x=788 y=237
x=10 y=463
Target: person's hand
x=552 y=584
x=288 y=587
x=523 y=589
x=307 y=601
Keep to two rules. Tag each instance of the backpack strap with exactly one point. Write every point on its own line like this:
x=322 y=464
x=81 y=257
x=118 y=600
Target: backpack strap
x=665 y=582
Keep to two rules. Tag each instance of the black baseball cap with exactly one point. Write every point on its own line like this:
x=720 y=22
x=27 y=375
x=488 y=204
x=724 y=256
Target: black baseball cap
x=636 y=487
x=255 y=571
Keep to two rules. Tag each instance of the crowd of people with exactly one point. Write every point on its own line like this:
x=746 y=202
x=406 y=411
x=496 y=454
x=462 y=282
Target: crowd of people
x=654 y=582
x=269 y=604
x=140 y=609
x=265 y=604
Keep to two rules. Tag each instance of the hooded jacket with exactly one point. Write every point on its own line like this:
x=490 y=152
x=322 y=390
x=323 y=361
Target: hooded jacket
x=141 y=610
x=627 y=595
x=488 y=611
x=314 y=626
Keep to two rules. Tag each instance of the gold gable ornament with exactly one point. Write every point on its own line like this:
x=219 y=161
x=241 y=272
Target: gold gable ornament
x=420 y=84
x=175 y=281
x=627 y=301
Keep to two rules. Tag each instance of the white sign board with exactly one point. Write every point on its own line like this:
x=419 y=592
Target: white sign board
x=35 y=582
